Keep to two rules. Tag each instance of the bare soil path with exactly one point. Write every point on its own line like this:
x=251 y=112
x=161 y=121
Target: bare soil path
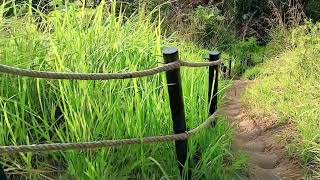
x=256 y=137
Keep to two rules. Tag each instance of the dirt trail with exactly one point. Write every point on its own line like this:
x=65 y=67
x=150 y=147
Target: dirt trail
x=268 y=157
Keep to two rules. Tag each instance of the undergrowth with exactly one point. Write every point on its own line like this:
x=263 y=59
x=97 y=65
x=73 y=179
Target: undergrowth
x=76 y=39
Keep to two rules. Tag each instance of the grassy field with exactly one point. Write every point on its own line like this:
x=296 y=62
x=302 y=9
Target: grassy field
x=75 y=39
x=288 y=87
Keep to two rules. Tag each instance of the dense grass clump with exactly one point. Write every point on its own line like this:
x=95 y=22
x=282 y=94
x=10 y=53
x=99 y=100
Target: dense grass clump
x=75 y=39
x=288 y=86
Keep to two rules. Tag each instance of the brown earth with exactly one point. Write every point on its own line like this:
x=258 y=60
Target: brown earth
x=258 y=139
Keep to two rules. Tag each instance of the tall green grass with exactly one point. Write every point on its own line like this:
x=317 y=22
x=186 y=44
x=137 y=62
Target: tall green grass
x=75 y=39
x=288 y=86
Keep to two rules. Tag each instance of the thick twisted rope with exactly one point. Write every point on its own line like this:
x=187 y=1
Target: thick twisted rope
x=87 y=76
x=199 y=64
x=100 y=76
x=105 y=143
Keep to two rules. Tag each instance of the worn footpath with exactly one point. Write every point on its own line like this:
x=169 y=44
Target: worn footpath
x=268 y=159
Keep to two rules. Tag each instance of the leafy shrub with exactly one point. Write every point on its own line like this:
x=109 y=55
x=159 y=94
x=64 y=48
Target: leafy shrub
x=246 y=54
x=313 y=9
x=280 y=42
x=256 y=18
x=252 y=73
x=212 y=27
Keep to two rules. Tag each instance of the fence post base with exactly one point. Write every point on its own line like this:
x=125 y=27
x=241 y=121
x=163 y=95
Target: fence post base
x=2 y=173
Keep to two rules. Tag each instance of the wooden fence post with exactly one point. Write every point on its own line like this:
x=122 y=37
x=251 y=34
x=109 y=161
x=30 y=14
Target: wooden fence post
x=230 y=67
x=2 y=173
x=213 y=75
x=176 y=106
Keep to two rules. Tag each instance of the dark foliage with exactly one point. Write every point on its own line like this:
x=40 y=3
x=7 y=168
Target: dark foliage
x=312 y=8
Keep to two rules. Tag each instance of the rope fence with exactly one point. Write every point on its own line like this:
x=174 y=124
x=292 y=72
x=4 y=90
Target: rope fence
x=105 y=143
x=101 y=76
x=173 y=76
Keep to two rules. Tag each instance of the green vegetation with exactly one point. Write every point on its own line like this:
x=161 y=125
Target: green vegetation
x=76 y=39
x=313 y=9
x=271 y=43
x=245 y=55
x=288 y=87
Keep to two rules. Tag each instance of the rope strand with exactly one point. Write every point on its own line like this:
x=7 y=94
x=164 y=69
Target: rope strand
x=101 y=76
x=105 y=143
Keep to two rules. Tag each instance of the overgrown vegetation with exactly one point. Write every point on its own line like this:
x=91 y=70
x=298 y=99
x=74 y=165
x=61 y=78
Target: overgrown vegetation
x=76 y=39
x=288 y=86
x=271 y=41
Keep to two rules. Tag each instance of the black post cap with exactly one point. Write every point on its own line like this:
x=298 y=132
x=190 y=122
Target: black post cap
x=170 y=50
x=214 y=55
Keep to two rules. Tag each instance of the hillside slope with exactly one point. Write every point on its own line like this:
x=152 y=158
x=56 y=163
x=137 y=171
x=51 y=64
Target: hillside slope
x=288 y=88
